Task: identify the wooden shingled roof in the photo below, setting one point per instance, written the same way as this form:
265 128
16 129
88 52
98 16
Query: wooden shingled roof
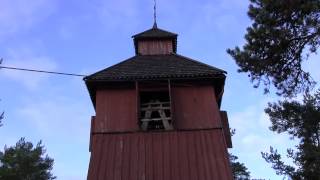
156 67
155 33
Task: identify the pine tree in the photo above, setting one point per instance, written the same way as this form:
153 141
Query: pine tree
281 38
301 120
25 162
239 170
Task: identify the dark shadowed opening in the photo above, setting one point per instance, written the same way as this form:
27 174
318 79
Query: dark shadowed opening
155 110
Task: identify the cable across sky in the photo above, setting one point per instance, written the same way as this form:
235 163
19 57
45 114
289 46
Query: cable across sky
42 71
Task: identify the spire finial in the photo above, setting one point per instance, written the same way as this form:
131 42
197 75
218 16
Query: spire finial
155 14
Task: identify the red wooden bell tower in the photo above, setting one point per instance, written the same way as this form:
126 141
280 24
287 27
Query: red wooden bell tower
158 116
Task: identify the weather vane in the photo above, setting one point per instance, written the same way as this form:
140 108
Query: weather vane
155 14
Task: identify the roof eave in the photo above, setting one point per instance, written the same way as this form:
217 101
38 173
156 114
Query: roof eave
170 34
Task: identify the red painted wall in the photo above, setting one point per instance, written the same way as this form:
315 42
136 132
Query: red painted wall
195 107
169 155
116 110
155 47
226 129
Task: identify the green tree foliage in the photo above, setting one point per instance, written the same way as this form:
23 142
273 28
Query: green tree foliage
239 170
301 120
282 36
25 162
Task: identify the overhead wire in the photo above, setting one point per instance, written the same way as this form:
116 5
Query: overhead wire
40 71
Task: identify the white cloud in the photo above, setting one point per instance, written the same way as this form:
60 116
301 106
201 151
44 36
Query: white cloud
65 32
251 123
64 124
69 117
69 27
264 120
233 4
117 15
20 15
312 66
24 58
253 137
220 16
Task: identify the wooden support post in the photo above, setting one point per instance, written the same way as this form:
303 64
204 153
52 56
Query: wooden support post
171 104
158 107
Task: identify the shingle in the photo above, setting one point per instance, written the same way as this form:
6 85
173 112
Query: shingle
155 67
155 33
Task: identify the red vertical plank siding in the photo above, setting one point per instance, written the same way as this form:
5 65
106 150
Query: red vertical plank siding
209 138
200 156
149 158
126 160
205 157
157 151
184 169
142 158
98 148
101 165
155 47
119 156
134 153
173 155
226 129
226 169
174 151
107 150
195 107
91 132
109 171
92 159
166 157
193 166
116 110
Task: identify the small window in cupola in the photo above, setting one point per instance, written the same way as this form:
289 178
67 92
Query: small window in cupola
155 110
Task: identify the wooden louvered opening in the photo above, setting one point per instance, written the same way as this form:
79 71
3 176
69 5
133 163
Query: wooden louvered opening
155 111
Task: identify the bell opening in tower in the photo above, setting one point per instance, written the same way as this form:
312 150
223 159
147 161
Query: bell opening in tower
155 111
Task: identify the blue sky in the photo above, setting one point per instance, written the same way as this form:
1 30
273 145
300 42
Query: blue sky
82 36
